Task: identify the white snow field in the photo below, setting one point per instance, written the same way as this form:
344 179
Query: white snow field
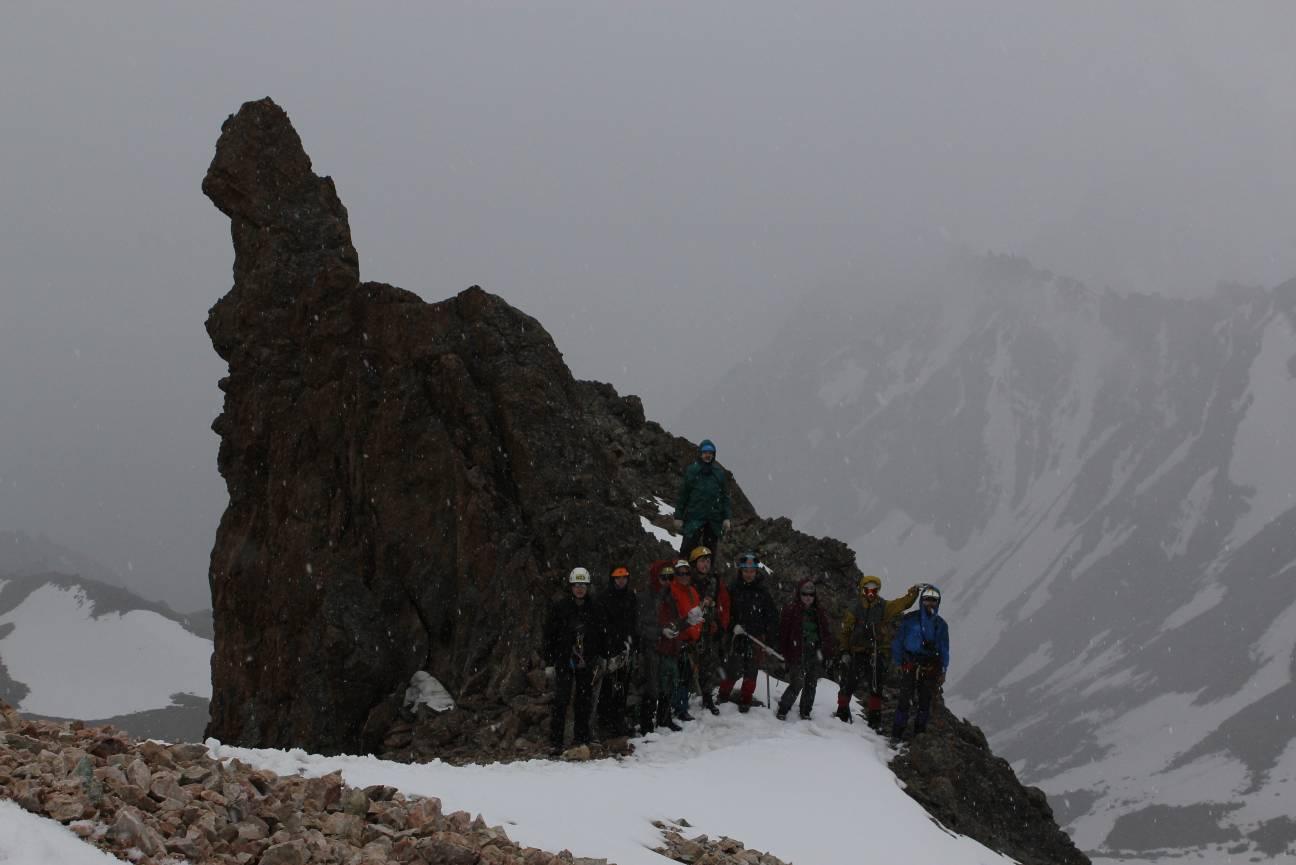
815 791
79 666
26 839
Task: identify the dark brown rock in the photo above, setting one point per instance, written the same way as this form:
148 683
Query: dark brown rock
951 771
409 483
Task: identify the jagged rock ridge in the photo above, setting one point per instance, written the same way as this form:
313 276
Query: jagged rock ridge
408 482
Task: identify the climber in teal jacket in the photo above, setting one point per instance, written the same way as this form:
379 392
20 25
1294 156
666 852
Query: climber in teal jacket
702 506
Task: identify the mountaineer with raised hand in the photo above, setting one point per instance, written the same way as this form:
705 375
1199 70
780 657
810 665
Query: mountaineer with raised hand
865 646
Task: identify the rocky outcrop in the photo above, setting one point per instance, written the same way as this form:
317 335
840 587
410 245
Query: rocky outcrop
706 851
153 803
408 482
951 771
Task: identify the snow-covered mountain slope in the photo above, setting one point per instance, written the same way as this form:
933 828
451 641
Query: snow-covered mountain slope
76 648
1104 486
814 791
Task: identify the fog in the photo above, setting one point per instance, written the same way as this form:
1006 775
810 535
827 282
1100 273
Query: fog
657 183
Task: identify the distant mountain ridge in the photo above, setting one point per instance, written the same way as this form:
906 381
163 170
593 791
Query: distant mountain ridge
72 647
1103 484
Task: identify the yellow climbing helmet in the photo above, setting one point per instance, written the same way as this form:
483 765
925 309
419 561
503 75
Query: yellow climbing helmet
699 553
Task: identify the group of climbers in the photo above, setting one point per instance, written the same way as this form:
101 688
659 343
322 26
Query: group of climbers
686 634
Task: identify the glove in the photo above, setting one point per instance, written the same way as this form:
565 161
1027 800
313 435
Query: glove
668 632
695 616
819 655
550 673
725 527
739 630
615 663
844 660
678 524
907 667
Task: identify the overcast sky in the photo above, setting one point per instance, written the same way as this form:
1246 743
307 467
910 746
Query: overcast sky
656 182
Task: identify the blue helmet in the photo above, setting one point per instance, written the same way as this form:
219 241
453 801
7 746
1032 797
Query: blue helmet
706 446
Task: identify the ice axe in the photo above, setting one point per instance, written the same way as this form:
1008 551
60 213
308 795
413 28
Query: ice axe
740 631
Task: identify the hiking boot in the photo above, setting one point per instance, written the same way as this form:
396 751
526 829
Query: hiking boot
874 720
672 726
712 708
781 714
684 716
555 750
744 708
843 713
805 716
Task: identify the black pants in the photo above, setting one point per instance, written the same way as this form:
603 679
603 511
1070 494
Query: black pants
647 673
803 679
582 682
705 535
860 672
868 668
742 663
923 677
612 702
711 661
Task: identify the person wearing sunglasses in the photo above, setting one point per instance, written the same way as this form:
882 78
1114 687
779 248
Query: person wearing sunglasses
864 645
805 640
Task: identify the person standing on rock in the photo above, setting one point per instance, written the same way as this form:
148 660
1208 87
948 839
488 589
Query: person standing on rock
619 611
753 615
865 647
679 620
920 649
805 640
573 645
702 509
710 656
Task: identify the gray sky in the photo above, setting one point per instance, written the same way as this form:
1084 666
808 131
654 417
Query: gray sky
656 182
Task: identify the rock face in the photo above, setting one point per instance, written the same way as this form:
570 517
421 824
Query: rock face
409 485
952 773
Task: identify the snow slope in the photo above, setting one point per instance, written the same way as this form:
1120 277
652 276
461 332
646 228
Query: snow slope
79 662
26 839
1102 485
803 791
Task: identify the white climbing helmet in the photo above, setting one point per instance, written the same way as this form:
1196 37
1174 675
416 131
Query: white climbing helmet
579 577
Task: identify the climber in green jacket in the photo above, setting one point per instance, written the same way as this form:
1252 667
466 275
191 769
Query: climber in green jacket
702 506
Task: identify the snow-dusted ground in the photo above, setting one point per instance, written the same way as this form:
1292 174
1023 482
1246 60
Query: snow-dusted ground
26 839
79 666
804 791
